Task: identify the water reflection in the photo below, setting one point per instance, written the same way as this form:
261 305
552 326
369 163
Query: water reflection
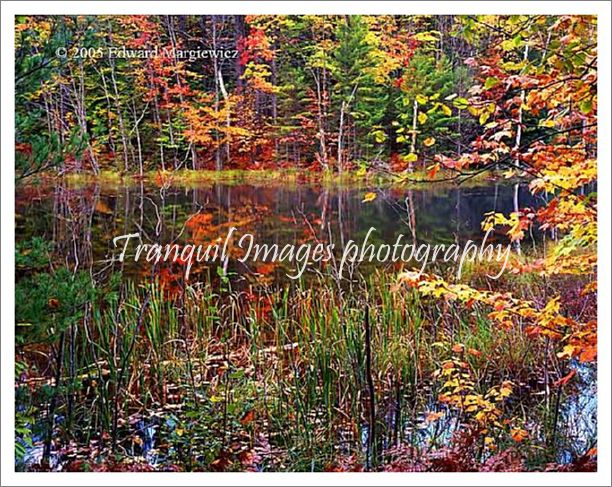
83 221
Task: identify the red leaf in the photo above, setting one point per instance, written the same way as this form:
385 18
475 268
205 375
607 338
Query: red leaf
564 380
433 170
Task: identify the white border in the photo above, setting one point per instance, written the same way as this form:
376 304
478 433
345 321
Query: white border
10 9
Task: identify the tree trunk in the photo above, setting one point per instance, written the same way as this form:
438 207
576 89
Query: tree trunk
517 146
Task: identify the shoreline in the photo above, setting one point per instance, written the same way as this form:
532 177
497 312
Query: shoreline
263 177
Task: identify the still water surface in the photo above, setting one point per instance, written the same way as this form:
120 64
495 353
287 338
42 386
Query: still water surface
83 221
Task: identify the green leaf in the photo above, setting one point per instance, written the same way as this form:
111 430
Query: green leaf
586 106
461 103
491 82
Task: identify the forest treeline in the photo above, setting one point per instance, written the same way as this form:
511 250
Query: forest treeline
324 92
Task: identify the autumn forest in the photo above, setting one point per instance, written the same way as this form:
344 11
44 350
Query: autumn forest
305 130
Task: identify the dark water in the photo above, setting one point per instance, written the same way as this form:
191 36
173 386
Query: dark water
83 221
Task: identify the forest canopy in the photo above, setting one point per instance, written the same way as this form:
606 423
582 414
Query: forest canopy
318 92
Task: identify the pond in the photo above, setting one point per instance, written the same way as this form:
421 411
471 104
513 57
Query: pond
83 221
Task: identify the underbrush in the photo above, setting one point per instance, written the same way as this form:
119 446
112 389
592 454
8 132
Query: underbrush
309 376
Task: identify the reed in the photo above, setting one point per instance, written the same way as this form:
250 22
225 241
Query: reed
312 372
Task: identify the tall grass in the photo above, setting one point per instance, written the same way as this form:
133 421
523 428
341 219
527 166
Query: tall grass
302 375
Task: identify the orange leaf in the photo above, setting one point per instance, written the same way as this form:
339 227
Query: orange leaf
443 398
518 434
433 170
433 416
474 352
588 354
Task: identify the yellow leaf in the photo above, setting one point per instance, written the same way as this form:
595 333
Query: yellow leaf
368 197
547 123
451 383
568 351
429 141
